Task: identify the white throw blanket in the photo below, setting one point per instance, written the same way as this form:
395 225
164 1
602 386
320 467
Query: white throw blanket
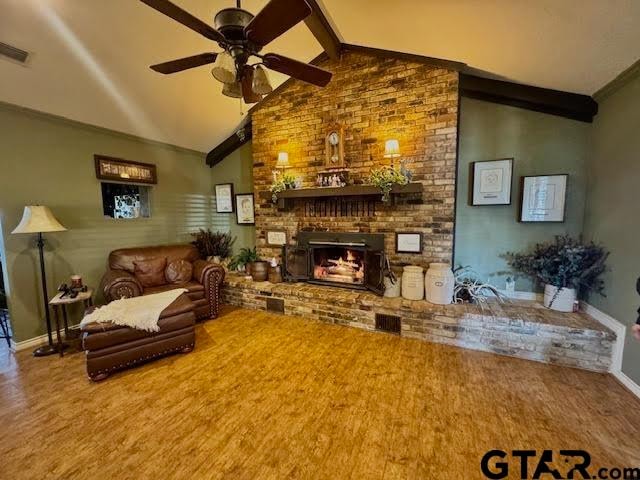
141 313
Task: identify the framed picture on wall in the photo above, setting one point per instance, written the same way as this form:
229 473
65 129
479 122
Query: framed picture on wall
224 197
276 238
409 242
543 198
491 182
245 210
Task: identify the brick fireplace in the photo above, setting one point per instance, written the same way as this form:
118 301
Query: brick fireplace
373 99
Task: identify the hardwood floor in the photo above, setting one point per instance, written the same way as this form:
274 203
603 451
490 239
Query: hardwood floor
269 396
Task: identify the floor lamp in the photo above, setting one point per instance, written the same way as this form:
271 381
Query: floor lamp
39 219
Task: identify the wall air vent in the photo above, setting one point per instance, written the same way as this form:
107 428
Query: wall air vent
275 305
388 323
13 53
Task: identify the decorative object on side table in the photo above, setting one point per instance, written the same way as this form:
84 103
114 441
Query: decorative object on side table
491 181
408 242
543 198
215 246
224 197
245 210
385 178
39 219
117 169
566 266
67 296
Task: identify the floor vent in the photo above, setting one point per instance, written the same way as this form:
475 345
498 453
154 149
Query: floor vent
13 53
275 305
388 323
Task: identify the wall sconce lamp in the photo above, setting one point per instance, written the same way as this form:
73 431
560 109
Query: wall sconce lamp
391 149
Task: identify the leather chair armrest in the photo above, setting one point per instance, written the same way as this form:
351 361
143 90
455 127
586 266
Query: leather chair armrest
211 275
118 284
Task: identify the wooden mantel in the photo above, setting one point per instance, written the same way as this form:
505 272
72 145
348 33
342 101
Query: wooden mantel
285 197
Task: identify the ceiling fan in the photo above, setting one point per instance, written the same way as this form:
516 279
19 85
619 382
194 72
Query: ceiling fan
242 35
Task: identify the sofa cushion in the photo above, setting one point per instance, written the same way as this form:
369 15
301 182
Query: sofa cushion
150 272
178 271
122 259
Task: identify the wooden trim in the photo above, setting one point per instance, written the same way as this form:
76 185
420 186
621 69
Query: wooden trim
348 191
321 28
407 57
238 138
554 102
617 83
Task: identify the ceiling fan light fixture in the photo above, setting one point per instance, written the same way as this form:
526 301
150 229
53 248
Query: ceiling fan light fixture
233 90
261 84
224 68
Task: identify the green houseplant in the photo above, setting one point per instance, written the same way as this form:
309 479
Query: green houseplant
216 245
566 266
385 178
285 181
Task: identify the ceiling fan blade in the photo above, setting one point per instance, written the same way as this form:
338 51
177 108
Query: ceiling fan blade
185 18
247 86
184 63
300 70
275 18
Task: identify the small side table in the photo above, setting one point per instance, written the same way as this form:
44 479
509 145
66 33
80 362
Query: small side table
58 303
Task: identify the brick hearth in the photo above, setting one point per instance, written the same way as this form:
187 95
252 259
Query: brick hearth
519 328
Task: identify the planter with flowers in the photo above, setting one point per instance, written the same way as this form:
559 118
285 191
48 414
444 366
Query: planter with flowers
567 267
285 181
386 178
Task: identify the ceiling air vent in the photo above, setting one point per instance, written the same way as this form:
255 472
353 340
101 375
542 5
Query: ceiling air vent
13 53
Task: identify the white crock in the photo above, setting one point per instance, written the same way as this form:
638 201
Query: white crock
412 282
563 302
439 283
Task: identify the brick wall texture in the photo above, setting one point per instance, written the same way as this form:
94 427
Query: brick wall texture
374 99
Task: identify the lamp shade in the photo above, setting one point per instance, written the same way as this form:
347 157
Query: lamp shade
261 84
38 219
391 149
233 90
283 160
224 68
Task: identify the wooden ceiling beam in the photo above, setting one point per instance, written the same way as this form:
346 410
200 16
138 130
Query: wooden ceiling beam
321 28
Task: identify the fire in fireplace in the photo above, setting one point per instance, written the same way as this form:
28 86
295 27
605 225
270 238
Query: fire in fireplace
354 260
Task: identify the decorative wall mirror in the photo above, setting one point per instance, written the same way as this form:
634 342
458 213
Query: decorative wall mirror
334 147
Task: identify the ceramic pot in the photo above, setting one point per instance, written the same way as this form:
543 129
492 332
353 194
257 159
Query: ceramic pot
259 270
563 301
439 284
412 282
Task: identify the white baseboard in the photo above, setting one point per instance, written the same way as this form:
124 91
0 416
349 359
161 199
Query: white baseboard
517 295
618 350
35 341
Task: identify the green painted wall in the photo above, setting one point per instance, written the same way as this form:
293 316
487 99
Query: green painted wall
612 208
237 168
48 160
539 144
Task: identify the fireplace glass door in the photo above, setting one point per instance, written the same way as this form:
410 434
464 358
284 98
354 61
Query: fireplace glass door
340 265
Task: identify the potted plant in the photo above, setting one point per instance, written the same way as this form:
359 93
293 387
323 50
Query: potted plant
285 181
214 246
385 178
566 266
249 261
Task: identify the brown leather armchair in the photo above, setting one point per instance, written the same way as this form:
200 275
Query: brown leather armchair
203 289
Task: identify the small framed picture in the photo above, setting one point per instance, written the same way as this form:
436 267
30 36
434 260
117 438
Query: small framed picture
276 238
224 197
491 182
245 212
543 198
409 242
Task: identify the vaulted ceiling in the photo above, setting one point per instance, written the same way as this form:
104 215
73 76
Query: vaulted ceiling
90 58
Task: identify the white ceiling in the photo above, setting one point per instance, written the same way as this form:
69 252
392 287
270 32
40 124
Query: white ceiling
90 57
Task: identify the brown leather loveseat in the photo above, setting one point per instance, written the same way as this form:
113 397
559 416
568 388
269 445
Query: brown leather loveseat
145 270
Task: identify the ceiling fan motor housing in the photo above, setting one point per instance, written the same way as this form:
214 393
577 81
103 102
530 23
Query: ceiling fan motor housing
231 23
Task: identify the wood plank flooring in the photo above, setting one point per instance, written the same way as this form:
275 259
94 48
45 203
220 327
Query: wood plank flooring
267 396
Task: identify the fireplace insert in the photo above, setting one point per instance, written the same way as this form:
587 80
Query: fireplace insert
352 260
